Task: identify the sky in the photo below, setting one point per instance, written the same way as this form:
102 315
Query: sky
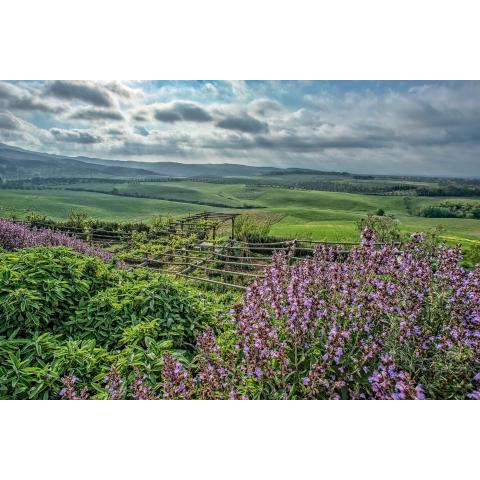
406 128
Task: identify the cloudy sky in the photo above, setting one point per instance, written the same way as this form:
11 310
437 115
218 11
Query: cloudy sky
381 127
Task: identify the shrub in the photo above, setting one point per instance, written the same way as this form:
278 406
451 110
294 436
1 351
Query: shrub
41 287
384 324
33 368
178 310
439 212
14 236
472 255
385 228
250 229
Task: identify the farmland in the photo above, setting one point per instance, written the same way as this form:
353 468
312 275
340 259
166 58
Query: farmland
300 213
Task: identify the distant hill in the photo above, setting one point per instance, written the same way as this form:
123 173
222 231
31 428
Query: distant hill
18 163
174 169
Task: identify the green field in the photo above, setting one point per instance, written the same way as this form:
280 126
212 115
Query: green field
57 204
307 214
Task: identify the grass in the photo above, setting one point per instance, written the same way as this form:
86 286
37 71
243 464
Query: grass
307 214
58 204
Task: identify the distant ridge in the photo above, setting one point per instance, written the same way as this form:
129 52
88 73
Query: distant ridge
18 163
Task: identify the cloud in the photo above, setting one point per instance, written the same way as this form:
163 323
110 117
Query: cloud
9 122
16 98
312 143
115 132
96 114
87 92
264 107
141 131
158 148
431 128
243 123
210 88
75 136
181 111
141 115
123 90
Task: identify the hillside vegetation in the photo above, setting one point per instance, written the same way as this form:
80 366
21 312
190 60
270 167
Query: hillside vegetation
306 214
379 324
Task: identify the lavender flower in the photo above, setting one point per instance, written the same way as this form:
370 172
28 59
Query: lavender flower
68 391
14 236
114 385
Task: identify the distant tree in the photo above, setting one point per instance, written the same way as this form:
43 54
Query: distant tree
380 212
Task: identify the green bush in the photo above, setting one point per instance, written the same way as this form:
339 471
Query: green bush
32 368
250 229
385 227
41 287
178 310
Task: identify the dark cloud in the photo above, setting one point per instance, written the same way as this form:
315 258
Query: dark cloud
140 116
75 136
96 114
182 111
120 90
9 122
167 148
141 131
78 90
242 123
115 132
264 106
168 116
16 98
302 143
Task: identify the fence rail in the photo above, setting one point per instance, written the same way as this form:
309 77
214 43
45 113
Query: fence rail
230 263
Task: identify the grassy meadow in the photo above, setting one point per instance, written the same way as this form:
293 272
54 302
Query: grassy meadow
298 213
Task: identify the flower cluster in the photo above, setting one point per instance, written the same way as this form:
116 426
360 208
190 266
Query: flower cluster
140 390
385 322
114 385
68 392
475 395
376 324
390 384
14 236
178 383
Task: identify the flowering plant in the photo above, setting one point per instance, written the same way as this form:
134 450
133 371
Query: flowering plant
384 323
14 236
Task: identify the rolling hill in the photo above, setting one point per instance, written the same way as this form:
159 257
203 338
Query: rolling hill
18 163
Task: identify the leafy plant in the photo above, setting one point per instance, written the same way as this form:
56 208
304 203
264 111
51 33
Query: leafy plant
14 236
41 287
250 229
178 311
384 227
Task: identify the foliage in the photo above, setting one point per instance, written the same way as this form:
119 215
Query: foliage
385 324
14 236
382 323
142 248
452 209
472 255
250 229
384 227
33 367
178 310
41 287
